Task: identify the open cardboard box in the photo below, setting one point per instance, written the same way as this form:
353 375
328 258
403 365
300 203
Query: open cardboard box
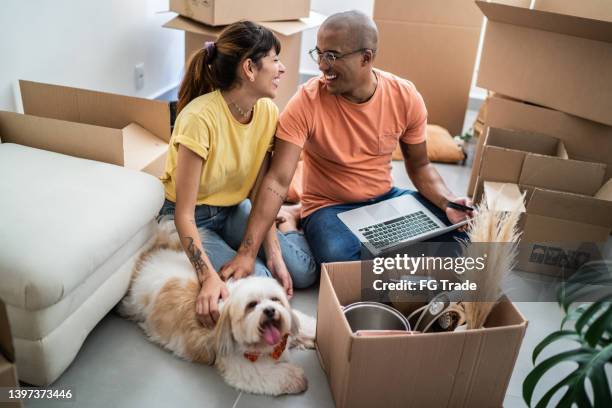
583 139
567 202
289 34
8 369
117 129
549 58
468 369
220 12
432 44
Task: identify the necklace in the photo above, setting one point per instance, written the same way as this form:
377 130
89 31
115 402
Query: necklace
240 111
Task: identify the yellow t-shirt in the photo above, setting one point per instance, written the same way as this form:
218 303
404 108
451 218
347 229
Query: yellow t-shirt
233 152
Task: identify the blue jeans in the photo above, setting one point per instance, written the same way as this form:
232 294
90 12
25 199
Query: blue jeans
222 228
331 241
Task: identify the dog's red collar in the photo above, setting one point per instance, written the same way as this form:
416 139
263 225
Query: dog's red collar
275 354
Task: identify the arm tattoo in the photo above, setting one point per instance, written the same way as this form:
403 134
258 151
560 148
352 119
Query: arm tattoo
276 193
195 256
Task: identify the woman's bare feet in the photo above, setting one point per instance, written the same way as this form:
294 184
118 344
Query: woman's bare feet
288 218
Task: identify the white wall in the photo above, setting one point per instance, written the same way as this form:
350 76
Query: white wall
327 7
93 44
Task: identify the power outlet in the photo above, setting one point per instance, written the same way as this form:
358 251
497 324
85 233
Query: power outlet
139 76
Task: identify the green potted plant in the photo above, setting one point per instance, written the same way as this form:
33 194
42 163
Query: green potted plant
589 325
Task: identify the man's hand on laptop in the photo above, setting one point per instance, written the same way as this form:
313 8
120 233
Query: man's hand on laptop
456 215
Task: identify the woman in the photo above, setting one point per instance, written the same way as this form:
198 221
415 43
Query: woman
218 152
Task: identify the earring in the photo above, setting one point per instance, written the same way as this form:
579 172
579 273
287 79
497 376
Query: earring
252 79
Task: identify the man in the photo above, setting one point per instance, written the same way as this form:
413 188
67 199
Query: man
348 122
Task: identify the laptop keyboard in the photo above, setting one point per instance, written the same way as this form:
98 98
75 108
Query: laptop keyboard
398 229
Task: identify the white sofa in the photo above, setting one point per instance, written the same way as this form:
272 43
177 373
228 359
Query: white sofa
69 232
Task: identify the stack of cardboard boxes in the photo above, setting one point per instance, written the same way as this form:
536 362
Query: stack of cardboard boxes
432 43
549 68
203 20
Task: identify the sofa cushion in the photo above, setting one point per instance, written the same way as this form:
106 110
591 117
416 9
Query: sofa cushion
61 217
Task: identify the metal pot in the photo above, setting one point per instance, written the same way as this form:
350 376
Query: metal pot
374 316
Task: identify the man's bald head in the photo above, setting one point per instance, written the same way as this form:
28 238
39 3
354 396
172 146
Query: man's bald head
359 30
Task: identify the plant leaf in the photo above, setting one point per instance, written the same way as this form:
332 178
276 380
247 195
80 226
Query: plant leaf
579 355
543 402
552 338
596 329
587 316
601 387
573 314
575 393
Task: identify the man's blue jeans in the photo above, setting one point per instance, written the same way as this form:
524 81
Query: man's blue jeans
331 241
222 228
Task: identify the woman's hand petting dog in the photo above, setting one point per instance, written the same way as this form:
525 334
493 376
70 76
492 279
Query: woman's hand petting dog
279 270
207 301
239 267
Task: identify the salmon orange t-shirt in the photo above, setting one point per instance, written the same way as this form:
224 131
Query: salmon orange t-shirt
348 146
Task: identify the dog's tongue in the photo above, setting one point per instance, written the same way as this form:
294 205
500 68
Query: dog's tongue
271 335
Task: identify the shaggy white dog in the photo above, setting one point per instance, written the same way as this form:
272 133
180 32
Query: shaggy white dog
247 345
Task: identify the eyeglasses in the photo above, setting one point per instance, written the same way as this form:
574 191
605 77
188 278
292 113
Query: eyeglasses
330 57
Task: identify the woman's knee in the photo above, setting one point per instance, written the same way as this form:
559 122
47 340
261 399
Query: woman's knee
304 274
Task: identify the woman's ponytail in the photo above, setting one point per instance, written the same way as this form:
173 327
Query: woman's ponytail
198 79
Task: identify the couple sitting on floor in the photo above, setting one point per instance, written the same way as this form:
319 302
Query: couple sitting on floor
229 149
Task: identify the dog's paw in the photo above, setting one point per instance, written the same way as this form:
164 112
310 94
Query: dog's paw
294 380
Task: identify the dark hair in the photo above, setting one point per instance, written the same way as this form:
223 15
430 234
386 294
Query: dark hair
214 66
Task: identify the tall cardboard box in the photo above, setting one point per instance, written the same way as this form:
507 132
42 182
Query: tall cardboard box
8 369
122 130
432 43
459 369
548 58
583 139
222 12
288 32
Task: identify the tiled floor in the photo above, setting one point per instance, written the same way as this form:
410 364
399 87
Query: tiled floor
117 367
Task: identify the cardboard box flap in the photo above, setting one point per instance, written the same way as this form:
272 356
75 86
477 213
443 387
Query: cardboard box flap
605 192
572 207
288 28
186 24
285 28
455 13
501 164
141 147
95 108
503 196
574 176
548 21
74 139
524 141
6 339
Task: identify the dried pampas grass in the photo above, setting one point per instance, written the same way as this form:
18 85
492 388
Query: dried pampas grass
489 227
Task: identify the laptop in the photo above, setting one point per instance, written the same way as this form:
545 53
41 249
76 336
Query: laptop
394 223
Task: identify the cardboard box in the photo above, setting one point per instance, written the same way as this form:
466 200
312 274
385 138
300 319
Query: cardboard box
561 231
432 44
8 369
583 139
223 12
567 204
122 130
289 34
593 9
468 369
550 59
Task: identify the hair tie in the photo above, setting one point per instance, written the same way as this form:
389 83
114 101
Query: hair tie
211 51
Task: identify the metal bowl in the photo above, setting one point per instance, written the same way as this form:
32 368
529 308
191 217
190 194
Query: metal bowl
374 316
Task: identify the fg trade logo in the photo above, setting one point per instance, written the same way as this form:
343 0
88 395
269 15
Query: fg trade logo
555 256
